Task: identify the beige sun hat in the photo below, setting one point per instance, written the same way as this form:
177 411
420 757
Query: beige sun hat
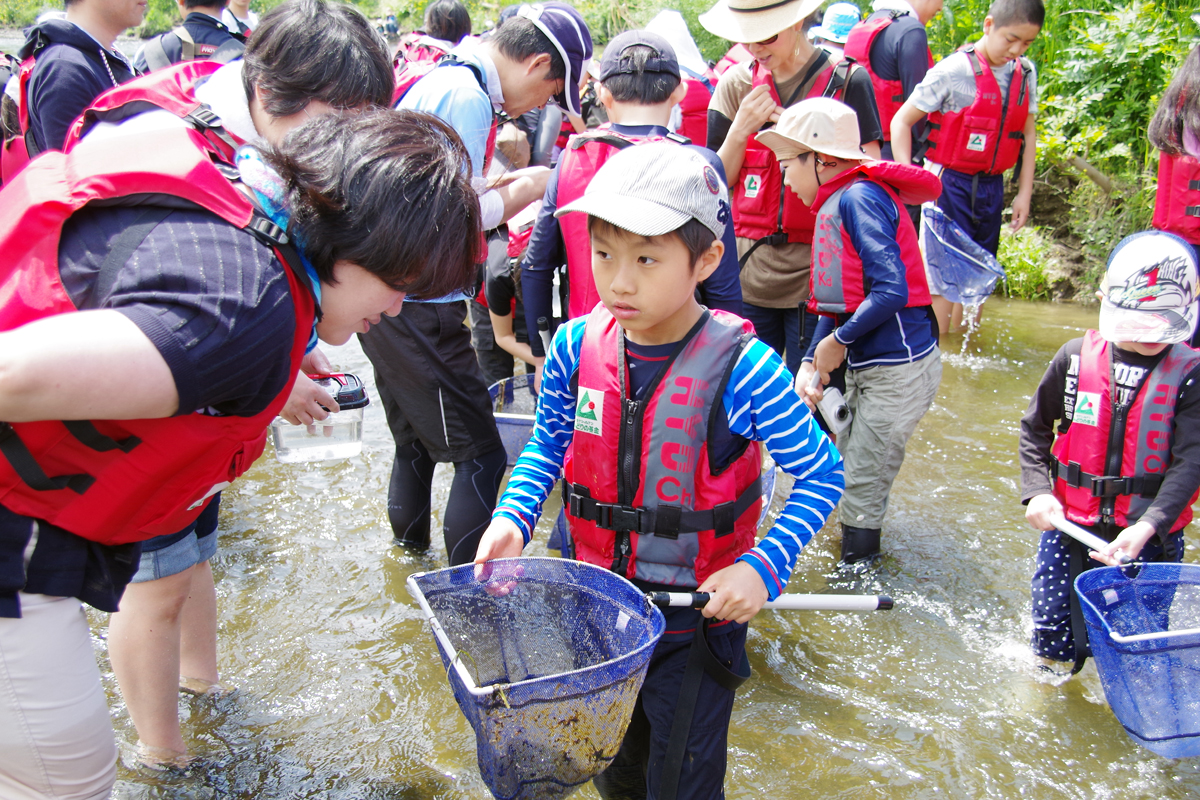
820 124
749 21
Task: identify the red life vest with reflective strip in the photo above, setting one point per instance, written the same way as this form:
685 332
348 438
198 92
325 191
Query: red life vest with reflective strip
762 204
987 135
125 480
583 157
1177 203
654 454
15 154
171 89
1142 444
694 107
837 283
889 95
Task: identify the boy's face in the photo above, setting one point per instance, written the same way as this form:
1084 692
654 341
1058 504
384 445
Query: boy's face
1004 44
122 13
648 283
1143 348
354 303
801 178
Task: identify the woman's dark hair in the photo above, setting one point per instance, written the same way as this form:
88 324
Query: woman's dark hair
447 20
518 38
1179 108
639 86
305 50
694 234
387 190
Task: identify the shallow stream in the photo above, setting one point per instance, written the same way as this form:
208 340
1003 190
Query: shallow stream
341 693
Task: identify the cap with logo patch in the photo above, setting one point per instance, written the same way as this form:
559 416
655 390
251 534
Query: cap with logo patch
1150 290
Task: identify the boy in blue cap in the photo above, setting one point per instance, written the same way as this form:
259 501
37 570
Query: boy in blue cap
651 408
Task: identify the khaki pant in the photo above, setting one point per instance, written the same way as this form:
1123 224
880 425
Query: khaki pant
56 737
887 403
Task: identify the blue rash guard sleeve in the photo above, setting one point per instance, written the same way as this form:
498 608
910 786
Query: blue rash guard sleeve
760 404
870 220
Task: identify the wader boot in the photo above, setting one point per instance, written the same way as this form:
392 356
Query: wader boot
859 544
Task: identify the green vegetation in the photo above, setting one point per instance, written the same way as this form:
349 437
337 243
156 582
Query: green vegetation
1024 256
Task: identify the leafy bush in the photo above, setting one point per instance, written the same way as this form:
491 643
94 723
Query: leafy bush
1101 220
1025 256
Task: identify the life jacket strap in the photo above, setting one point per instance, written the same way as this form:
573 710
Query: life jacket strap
667 520
27 469
1105 485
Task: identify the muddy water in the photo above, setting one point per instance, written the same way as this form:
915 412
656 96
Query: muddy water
341 693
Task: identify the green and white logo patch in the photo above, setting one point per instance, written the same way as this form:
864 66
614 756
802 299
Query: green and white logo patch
977 142
753 183
1087 409
589 412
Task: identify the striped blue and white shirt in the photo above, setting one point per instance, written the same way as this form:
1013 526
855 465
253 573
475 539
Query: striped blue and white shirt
760 405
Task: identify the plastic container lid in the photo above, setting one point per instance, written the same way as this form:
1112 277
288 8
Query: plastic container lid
346 389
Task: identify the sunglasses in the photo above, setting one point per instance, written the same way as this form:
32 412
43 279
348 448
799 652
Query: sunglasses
769 40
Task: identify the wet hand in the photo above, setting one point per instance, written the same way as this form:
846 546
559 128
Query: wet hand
502 539
737 593
304 405
1127 545
1041 510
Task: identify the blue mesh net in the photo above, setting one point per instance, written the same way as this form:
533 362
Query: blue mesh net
960 270
514 405
1151 681
546 675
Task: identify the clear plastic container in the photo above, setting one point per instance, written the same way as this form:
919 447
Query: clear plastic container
337 436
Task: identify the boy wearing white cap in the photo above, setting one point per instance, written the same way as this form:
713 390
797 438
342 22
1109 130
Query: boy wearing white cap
868 285
1124 459
652 408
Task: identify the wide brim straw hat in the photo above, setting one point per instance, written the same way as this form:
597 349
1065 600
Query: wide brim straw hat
749 21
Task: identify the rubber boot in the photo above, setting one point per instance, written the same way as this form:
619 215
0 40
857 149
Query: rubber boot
859 544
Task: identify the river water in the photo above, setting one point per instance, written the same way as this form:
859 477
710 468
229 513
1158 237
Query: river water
341 693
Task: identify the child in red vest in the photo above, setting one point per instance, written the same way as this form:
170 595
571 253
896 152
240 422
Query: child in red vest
652 408
982 107
868 285
1124 459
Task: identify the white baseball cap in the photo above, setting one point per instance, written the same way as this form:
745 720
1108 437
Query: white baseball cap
654 188
1150 290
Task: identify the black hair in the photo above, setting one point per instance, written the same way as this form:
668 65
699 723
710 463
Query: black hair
447 20
205 3
1179 108
694 234
518 38
639 86
306 50
387 190
1017 12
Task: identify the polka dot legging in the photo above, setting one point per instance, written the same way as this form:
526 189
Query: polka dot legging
1051 588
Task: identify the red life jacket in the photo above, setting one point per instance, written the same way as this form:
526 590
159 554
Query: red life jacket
171 89
763 206
585 154
408 73
889 95
15 154
694 107
1109 464
1177 203
641 495
738 54
987 135
836 282
117 481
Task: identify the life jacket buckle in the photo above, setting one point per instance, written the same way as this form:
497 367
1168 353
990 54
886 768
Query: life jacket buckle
1111 486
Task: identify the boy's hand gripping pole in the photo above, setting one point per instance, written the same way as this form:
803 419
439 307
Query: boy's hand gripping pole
787 602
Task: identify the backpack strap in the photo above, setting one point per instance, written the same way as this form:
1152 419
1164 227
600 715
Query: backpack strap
188 43
155 54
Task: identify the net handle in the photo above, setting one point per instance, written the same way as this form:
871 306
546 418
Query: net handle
1149 637
787 602
1087 538
456 662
